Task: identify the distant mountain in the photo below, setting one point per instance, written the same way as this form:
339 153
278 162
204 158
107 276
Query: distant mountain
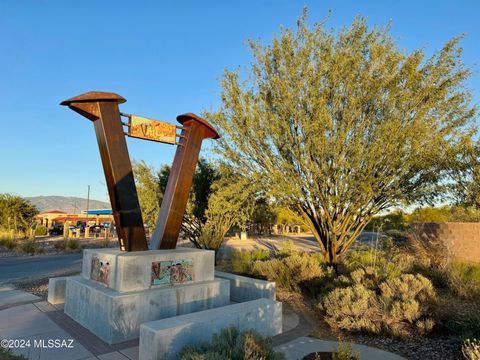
69 204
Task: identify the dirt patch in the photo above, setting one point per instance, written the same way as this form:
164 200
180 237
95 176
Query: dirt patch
39 286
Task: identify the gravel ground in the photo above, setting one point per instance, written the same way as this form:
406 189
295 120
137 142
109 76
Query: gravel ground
434 348
39 286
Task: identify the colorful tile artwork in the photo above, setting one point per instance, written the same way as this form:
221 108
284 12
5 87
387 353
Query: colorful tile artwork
100 270
172 272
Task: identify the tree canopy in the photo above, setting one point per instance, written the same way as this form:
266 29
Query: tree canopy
340 125
16 213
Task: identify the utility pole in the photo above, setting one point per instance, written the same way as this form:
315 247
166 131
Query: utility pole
88 202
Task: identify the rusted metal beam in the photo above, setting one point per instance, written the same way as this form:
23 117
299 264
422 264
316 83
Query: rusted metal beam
195 129
102 109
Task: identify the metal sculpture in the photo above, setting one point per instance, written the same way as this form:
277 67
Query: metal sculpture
102 109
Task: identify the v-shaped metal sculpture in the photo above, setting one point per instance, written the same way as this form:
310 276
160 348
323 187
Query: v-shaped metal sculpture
102 109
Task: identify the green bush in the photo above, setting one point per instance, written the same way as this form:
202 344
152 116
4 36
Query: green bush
397 306
232 344
41 230
244 260
288 248
471 349
297 272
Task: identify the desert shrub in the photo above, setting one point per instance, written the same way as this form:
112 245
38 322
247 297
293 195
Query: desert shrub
105 242
353 308
243 260
72 244
377 265
41 230
397 306
471 349
28 246
232 344
297 272
288 248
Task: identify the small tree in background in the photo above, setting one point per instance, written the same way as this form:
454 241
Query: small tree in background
195 216
150 188
286 217
339 126
16 214
232 202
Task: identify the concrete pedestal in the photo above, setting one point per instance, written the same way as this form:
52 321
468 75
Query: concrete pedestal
131 271
116 291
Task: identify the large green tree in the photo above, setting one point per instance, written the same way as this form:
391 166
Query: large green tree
340 125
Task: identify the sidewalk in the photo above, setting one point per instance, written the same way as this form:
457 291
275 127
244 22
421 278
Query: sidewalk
302 346
42 331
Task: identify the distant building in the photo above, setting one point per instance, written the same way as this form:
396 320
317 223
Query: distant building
51 218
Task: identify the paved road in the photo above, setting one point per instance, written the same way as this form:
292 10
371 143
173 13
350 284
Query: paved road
23 267
366 237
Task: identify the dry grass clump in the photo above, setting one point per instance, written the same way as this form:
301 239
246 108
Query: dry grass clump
233 344
28 246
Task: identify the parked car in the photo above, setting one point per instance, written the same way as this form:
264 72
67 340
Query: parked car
55 230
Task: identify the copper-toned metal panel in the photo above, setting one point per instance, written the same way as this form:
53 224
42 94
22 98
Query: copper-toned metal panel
149 129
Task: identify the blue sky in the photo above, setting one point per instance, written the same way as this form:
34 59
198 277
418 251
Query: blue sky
165 58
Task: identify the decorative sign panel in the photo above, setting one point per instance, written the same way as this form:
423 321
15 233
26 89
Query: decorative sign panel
172 272
100 271
154 130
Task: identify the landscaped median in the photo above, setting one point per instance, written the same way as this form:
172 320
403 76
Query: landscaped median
409 299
